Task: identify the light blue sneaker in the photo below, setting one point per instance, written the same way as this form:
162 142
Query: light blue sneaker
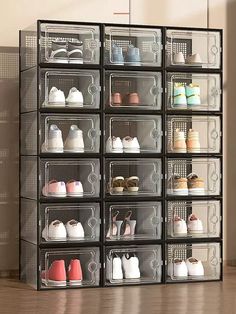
133 56
193 94
117 55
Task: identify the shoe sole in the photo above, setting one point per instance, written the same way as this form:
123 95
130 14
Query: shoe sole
133 151
75 282
77 61
75 194
56 195
196 192
74 150
48 282
74 104
177 192
55 104
53 60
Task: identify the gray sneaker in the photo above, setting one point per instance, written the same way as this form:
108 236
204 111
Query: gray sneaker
75 52
58 52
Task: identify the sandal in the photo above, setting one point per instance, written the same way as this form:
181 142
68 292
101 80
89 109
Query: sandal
117 184
132 184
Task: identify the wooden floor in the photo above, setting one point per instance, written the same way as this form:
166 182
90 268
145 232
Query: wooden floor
198 298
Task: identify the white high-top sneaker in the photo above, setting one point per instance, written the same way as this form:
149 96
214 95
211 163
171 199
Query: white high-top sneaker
74 142
177 268
131 266
56 98
195 267
117 273
194 224
56 231
114 145
74 229
131 144
74 98
54 142
180 226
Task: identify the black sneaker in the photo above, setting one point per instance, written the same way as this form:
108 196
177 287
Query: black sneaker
75 52
59 52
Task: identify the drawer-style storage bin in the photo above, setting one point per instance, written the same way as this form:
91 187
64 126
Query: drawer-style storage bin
193 48
133 265
28 220
28 133
193 91
78 89
193 134
133 90
193 219
70 178
70 133
134 177
75 222
133 221
133 134
28 263
69 43
133 46
28 90
193 262
28 177
63 268
194 177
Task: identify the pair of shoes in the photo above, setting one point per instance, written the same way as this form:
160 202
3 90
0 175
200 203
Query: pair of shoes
57 276
186 95
180 268
131 99
193 142
130 265
56 188
124 227
74 142
194 225
120 184
193 185
58 231
56 98
127 145
132 56
194 59
66 51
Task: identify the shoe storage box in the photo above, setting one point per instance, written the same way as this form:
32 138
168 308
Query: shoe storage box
86 81
133 90
132 46
194 262
193 219
133 265
70 222
192 48
139 134
120 154
133 177
133 221
193 91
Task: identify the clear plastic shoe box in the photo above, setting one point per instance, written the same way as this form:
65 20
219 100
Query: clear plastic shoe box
201 49
139 134
56 261
199 262
133 265
193 91
133 177
85 218
202 134
87 82
193 219
133 90
133 221
79 133
133 46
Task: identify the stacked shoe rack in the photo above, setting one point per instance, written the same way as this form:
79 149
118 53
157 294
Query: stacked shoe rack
111 205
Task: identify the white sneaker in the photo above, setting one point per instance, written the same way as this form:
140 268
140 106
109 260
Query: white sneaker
195 267
179 58
194 59
56 98
54 143
117 273
178 268
74 142
74 98
131 144
180 226
114 145
56 231
74 229
131 266
194 224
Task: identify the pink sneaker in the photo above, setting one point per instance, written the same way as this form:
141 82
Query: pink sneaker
75 272
74 188
54 188
55 275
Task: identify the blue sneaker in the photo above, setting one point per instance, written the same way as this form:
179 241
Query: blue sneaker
133 56
117 55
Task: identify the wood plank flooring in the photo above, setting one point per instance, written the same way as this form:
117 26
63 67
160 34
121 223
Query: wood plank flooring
197 298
